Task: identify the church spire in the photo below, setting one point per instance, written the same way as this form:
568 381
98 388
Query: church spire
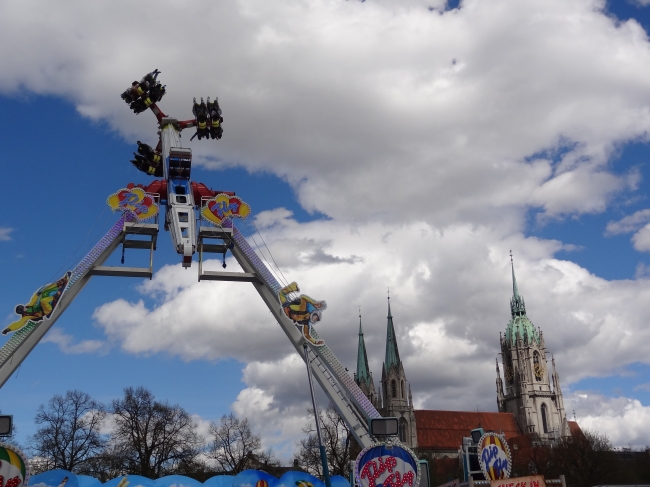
363 371
392 354
517 305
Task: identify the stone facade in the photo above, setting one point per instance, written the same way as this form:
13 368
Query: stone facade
532 392
531 397
394 398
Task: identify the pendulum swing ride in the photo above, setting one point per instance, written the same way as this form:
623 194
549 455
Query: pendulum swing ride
199 220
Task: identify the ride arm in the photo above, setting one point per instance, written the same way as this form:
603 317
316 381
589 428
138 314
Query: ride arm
348 400
157 112
184 124
23 341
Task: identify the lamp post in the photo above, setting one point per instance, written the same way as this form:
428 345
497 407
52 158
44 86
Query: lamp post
323 455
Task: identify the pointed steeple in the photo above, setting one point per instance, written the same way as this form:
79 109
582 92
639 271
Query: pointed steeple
363 371
392 354
517 305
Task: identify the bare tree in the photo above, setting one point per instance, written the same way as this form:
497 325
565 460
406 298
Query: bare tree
69 434
586 459
236 448
336 439
153 437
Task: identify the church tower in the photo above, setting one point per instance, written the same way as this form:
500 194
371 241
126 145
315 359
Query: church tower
396 393
532 393
363 376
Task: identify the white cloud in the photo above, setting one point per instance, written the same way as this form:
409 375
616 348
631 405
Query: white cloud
638 223
425 136
641 239
448 301
530 99
629 224
624 420
5 233
66 343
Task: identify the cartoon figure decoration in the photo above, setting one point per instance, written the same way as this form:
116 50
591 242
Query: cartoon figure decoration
387 465
302 310
494 456
42 304
224 206
13 466
134 200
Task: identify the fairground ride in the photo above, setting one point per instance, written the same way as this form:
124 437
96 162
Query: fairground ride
187 203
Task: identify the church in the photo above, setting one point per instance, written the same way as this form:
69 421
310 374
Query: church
530 403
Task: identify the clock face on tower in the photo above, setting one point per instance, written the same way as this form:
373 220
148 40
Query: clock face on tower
538 369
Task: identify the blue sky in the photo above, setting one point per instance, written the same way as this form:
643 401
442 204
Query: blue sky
343 201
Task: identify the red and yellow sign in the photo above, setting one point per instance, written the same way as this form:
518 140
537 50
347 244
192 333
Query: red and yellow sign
134 200
225 206
494 456
531 481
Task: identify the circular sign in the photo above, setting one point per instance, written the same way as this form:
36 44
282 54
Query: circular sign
13 467
494 456
387 465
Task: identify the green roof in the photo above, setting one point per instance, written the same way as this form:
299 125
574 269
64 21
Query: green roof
363 371
392 354
519 325
524 327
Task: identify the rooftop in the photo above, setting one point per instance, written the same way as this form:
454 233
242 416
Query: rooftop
444 430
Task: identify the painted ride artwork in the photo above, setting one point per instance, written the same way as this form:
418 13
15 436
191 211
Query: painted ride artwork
41 305
14 470
135 200
224 206
302 310
387 465
494 456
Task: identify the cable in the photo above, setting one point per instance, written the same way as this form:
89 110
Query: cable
267 263
269 251
84 242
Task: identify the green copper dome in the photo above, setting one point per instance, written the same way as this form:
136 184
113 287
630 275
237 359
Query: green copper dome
522 326
519 325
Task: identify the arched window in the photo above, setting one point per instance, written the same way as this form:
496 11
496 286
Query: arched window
402 389
403 430
393 388
544 423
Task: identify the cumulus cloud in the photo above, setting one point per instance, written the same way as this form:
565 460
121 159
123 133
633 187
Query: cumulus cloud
641 239
276 408
529 98
624 420
66 343
424 136
448 308
629 224
638 223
